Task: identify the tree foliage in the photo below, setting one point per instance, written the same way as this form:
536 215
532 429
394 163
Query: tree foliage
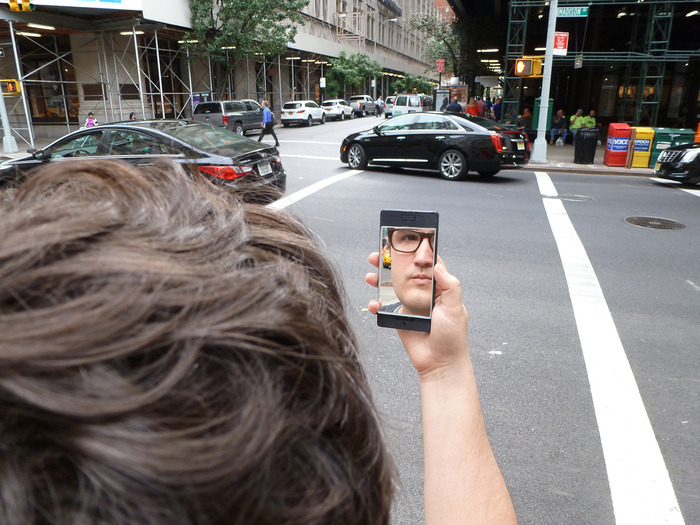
456 43
351 72
409 83
229 30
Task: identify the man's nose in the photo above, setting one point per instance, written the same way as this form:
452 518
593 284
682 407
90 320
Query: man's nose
424 253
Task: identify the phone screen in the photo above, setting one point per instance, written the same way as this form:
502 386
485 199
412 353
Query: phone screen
407 256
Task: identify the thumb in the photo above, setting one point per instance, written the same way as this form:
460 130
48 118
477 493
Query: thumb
450 288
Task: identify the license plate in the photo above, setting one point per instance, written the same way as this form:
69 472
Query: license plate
264 168
521 145
657 166
290 113
327 109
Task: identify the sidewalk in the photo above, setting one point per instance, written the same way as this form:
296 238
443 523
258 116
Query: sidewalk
559 158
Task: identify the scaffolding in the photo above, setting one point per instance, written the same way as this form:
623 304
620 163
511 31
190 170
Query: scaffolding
644 62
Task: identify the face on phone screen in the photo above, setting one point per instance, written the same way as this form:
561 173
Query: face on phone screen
406 270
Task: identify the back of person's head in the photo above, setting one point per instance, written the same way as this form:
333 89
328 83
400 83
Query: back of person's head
170 355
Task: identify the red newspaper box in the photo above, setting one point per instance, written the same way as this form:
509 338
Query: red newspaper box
618 142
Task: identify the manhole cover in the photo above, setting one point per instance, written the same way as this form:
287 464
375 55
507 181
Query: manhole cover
656 223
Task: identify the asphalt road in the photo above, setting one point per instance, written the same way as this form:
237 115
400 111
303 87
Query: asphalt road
584 329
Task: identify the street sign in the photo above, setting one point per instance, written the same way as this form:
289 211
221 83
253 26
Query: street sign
561 43
440 66
572 12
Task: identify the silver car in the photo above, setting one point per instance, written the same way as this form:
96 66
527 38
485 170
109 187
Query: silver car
235 115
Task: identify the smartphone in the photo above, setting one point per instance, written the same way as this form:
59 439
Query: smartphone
408 242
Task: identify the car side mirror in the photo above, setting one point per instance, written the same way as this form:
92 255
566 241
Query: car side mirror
376 130
39 154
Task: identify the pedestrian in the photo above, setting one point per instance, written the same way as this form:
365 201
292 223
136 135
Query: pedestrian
590 121
454 106
558 127
472 108
576 123
268 126
380 106
132 116
483 107
90 121
497 109
527 120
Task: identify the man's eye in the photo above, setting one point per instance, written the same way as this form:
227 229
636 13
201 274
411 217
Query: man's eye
410 237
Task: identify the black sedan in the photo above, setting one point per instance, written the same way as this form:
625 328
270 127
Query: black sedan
515 145
226 158
680 163
443 142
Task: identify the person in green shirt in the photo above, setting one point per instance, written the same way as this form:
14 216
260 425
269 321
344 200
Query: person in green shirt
590 121
576 122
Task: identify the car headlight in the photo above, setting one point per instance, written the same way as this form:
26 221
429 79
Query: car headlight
690 155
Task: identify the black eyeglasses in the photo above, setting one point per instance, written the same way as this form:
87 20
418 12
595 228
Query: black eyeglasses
408 241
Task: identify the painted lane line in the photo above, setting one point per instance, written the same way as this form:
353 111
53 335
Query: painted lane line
310 190
640 484
667 182
285 156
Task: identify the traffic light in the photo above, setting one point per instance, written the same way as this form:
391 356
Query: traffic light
10 86
26 5
528 67
523 66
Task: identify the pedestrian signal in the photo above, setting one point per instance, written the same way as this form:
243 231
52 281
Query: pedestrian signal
14 5
10 87
523 66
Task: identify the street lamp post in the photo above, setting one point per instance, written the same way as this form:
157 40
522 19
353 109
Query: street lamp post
379 32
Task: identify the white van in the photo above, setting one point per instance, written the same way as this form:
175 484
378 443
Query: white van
411 103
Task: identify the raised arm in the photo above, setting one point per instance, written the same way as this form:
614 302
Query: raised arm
463 483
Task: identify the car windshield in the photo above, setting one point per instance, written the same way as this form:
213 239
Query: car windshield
205 137
356 98
291 105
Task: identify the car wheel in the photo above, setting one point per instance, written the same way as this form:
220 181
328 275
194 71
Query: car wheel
357 158
489 173
310 121
323 118
364 113
453 165
342 115
238 128
285 124
352 115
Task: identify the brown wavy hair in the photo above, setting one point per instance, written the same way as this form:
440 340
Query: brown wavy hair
170 354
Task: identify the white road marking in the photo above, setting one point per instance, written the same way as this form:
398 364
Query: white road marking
285 156
672 182
640 485
310 190
695 286
314 142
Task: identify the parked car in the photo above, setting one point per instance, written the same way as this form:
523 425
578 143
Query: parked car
412 103
302 112
389 106
226 158
337 109
237 115
441 142
515 144
680 163
363 104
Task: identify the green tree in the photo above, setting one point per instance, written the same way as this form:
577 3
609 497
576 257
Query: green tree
409 83
456 43
228 30
351 72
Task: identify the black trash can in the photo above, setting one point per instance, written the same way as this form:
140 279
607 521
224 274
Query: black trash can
585 145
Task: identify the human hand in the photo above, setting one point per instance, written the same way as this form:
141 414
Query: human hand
445 347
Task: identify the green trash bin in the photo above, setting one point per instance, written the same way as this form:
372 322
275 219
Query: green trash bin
536 116
667 137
